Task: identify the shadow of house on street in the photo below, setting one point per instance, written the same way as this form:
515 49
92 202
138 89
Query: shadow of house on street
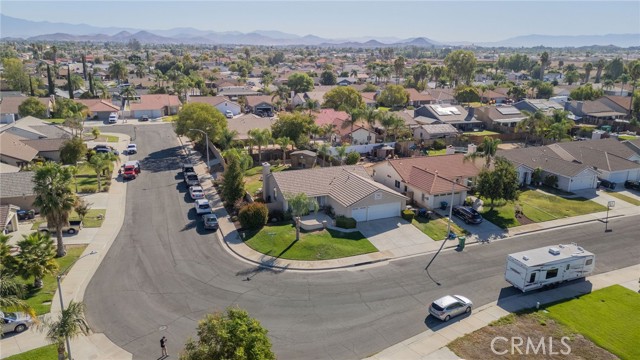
513 300
163 160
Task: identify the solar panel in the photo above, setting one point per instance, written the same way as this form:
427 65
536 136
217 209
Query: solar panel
508 110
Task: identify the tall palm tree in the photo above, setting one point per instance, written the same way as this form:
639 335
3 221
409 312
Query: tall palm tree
283 93
70 324
624 79
141 70
489 148
354 117
227 138
117 70
327 130
588 67
342 153
311 105
370 116
36 257
533 124
54 197
544 62
323 151
260 137
284 143
599 67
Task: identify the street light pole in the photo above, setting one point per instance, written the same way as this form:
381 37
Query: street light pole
59 278
206 139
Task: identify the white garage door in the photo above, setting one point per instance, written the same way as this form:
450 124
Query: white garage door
383 211
359 214
582 182
618 177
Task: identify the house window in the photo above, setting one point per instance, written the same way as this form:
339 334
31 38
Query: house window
589 262
422 196
551 273
405 188
397 184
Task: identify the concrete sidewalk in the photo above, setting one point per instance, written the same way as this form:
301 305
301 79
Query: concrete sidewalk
431 344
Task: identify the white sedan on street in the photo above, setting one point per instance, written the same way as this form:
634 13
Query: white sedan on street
196 192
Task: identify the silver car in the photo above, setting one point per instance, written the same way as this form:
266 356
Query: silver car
15 321
449 306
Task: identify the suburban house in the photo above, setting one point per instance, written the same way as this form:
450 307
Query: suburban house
300 99
572 175
330 116
219 102
303 159
533 105
429 180
98 109
348 190
634 145
354 135
369 98
416 99
48 149
8 218
260 104
14 151
346 81
436 131
594 112
618 103
454 115
443 96
246 122
493 97
17 189
155 106
9 107
503 118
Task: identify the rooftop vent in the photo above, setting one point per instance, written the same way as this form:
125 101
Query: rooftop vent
554 251
525 258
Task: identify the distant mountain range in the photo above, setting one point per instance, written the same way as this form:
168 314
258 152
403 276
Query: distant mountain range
14 28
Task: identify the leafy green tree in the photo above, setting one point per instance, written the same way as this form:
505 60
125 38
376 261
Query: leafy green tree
393 96
15 75
202 117
614 69
72 151
95 132
300 82
36 257
500 183
391 124
571 77
467 94
343 97
227 138
253 216
352 158
517 92
231 336
69 109
54 197
586 92
32 107
462 64
82 208
300 205
12 292
70 324
328 78
545 90
342 153
294 126
260 137
233 181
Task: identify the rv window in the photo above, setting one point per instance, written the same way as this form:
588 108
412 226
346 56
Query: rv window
568 266
532 278
552 273
589 262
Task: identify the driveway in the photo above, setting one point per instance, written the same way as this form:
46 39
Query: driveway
482 231
397 237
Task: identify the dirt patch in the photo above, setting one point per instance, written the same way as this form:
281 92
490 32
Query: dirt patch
523 219
535 327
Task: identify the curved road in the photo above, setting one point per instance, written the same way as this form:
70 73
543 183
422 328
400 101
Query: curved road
162 274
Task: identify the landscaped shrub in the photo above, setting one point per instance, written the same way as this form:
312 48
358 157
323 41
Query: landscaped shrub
88 189
551 181
345 222
438 145
276 215
408 215
352 158
253 216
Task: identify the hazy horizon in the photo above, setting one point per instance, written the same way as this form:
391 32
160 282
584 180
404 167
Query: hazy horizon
480 21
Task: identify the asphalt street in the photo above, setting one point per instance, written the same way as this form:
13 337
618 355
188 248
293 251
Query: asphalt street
163 273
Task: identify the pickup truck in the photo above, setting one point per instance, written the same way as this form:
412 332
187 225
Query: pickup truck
72 228
131 170
191 179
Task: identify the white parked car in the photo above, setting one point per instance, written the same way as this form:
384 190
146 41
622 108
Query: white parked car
202 207
132 149
449 306
228 114
196 192
113 118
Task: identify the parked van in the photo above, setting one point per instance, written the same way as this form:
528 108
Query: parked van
113 118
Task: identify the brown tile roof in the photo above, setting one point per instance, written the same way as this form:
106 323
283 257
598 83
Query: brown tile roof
592 107
369 97
244 123
447 166
623 101
607 154
442 95
542 157
211 100
9 105
329 116
257 100
98 105
490 94
155 101
345 184
13 147
45 144
430 181
414 95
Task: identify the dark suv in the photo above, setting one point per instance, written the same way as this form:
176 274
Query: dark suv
187 168
606 184
630 184
468 214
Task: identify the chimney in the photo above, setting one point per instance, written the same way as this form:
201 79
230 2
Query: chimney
471 148
266 174
579 105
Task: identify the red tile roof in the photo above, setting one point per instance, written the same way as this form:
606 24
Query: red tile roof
329 116
97 105
155 101
447 166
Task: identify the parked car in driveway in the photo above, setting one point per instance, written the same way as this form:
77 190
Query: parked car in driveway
144 118
468 214
202 206
15 321
449 306
105 149
196 192
26 214
630 184
606 184
191 179
72 228
210 222
113 118
228 114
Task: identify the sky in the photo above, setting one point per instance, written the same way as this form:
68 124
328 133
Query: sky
476 21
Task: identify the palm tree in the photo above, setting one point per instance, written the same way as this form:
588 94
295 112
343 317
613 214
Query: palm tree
12 294
54 198
36 257
624 79
300 205
141 70
69 325
588 67
342 152
99 163
354 116
129 93
489 148
323 151
283 93
608 84
370 116
117 70
260 137
227 138
284 143
311 105
326 130
533 124
544 62
599 67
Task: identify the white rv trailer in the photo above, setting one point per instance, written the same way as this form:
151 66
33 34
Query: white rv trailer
549 265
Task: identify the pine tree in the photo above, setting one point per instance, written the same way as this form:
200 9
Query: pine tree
50 82
232 183
31 86
69 82
84 67
91 89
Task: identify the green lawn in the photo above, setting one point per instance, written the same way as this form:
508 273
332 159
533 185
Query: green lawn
437 152
480 133
539 207
47 352
91 220
252 177
108 138
609 317
624 198
56 121
170 118
436 229
627 137
40 299
87 178
279 241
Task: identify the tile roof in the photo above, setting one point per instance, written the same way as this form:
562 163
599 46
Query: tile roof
9 105
494 113
17 184
97 105
447 166
607 154
211 100
591 107
622 101
430 181
45 144
13 147
544 158
257 100
369 97
155 101
414 95
329 116
345 184
246 122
